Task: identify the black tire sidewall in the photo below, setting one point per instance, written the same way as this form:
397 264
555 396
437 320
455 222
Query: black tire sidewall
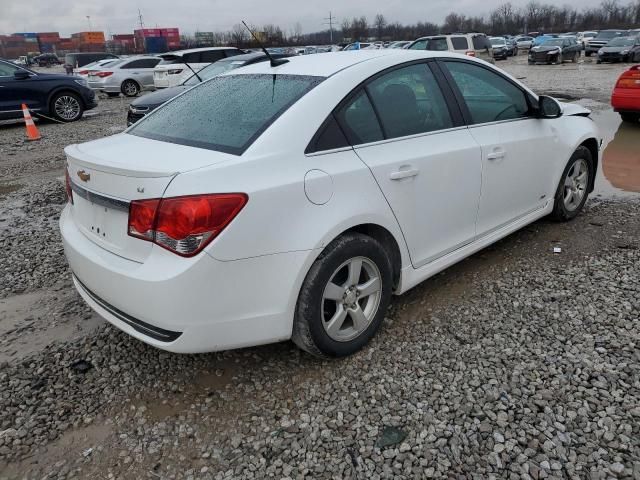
66 94
308 308
559 210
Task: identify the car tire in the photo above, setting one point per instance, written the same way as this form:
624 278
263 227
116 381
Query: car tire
130 88
66 107
587 54
329 308
630 117
574 58
573 188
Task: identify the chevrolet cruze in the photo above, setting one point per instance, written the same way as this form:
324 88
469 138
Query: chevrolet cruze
290 200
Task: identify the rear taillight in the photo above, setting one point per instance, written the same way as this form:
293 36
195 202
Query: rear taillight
174 71
470 53
630 78
104 74
184 225
67 185
83 72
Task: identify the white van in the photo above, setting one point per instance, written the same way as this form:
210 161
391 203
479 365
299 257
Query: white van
174 69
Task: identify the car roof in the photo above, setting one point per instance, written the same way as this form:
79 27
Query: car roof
193 50
330 63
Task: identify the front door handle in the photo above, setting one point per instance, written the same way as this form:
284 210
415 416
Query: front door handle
400 174
496 155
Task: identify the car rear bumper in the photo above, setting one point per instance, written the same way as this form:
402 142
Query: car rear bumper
623 101
187 305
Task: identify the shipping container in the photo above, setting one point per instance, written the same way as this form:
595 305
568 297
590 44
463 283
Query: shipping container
48 35
48 47
155 44
147 32
27 35
123 36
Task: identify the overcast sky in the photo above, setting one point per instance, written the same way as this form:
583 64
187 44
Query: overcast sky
121 16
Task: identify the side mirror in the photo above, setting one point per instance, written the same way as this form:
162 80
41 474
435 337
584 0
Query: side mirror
21 75
548 107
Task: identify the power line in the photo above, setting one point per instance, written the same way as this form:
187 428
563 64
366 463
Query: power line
329 21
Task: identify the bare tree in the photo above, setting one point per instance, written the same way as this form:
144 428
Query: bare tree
239 35
380 23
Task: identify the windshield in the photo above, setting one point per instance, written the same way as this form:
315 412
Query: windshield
212 70
606 35
620 42
227 113
497 41
554 42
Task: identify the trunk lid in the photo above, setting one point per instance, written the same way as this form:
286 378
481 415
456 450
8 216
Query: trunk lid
107 174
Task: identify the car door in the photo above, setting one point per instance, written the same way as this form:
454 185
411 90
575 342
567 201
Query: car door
519 151
16 91
141 70
425 161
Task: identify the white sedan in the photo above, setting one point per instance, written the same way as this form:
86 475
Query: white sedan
291 201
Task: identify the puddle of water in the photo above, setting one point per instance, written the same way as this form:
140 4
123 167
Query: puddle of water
619 170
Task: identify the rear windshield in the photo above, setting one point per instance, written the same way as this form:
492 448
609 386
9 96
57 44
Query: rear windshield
498 41
480 42
227 113
212 70
170 59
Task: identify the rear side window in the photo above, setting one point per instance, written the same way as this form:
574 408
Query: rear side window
212 56
329 136
408 101
419 45
460 43
232 53
227 113
489 97
193 57
170 60
359 121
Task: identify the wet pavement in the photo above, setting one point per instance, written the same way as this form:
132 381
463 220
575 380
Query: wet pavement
619 171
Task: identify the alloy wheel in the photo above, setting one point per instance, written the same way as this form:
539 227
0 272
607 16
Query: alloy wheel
351 299
67 107
575 184
130 89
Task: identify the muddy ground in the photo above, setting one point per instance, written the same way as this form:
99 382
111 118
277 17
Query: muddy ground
516 363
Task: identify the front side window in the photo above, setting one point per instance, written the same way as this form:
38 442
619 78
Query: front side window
409 101
419 45
7 70
227 113
437 44
488 96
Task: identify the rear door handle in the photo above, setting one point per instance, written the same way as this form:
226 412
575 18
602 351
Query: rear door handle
496 155
400 174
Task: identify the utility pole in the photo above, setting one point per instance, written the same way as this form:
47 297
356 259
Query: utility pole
89 21
329 21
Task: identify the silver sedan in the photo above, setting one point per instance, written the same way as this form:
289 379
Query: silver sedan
129 76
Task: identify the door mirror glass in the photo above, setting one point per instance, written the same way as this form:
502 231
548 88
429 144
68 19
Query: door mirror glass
21 75
548 107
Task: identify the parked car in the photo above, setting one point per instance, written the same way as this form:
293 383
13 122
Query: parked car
129 76
585 37
600 40
147 103
512 46
317 189
470 44
540 39
76 60
524 42
62 97
83 72
46 60
175 67
625 98
357 46
399 44
500 48
555 50
621 49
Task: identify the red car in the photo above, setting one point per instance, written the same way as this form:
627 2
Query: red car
625 97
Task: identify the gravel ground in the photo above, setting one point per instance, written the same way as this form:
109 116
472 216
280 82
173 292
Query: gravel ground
516 363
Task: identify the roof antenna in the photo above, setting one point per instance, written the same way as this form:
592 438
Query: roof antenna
275 62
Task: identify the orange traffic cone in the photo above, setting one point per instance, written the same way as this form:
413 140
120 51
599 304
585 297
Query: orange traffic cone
32 131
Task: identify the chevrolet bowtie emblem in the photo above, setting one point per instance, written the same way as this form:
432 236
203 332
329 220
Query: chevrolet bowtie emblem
84 176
